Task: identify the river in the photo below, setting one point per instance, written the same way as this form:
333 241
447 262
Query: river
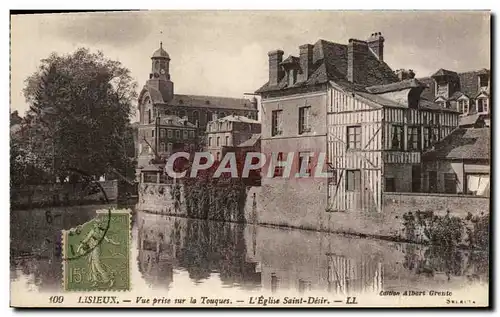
171 253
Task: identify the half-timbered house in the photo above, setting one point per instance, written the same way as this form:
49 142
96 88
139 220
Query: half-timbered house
371 121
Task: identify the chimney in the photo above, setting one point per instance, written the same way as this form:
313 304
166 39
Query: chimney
404 74
356 53
376 44
276 72
306 57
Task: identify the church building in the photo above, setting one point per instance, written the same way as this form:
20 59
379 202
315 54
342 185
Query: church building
157 101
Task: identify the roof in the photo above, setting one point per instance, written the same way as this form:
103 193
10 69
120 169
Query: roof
237 119
329 63
468 84
404 84
176 121
250 142
462 143
444 72
475 119
199 101
382 101
160 53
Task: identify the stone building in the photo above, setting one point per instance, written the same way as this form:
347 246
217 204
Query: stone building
372 122
229 131
165 135
468 92
158 98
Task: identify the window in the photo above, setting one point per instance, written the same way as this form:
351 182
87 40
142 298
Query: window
450 183
222 114
196 117
304 119
162 133
278 170
478 184
427 137
149 149
463 106
397 138
162 147
210 141
442 89
169 147
170 122
152 133
149 116
227 140
177 134
169 134
353 180
182 113
390 184
292 77
191 134
185 134
482 105
277 121
354 137
442 104
305 156
432 181
483 81
435 134
218 141
167 112
414 138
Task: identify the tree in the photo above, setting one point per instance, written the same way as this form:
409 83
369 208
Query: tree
80 105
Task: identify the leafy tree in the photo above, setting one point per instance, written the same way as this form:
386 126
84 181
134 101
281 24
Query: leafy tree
80 105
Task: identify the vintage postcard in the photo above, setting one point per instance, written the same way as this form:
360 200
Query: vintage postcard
335 159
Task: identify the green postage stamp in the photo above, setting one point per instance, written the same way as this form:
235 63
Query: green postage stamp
96 254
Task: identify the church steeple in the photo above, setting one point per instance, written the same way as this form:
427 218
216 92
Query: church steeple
159 78
160 64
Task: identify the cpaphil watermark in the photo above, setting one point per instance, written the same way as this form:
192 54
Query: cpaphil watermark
300 165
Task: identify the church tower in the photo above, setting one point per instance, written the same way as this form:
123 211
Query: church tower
159 77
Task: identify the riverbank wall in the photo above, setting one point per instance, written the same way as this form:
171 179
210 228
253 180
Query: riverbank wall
387 224
58 194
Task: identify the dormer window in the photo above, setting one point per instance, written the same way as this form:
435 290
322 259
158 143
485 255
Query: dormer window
483 81
441 103
482 105
463 106
292 77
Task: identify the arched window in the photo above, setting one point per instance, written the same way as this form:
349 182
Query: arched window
196 117
162 147
209 141
149 116
218 141
209 116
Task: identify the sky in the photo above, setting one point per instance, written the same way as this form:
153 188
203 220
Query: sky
224 53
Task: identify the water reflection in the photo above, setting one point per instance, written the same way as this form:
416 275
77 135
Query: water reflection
172 253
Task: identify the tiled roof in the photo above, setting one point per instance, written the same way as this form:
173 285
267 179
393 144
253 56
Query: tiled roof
200 101
175 121
212 102
330 63
404 84
250 142
468 83
423 103
462 143
237 119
